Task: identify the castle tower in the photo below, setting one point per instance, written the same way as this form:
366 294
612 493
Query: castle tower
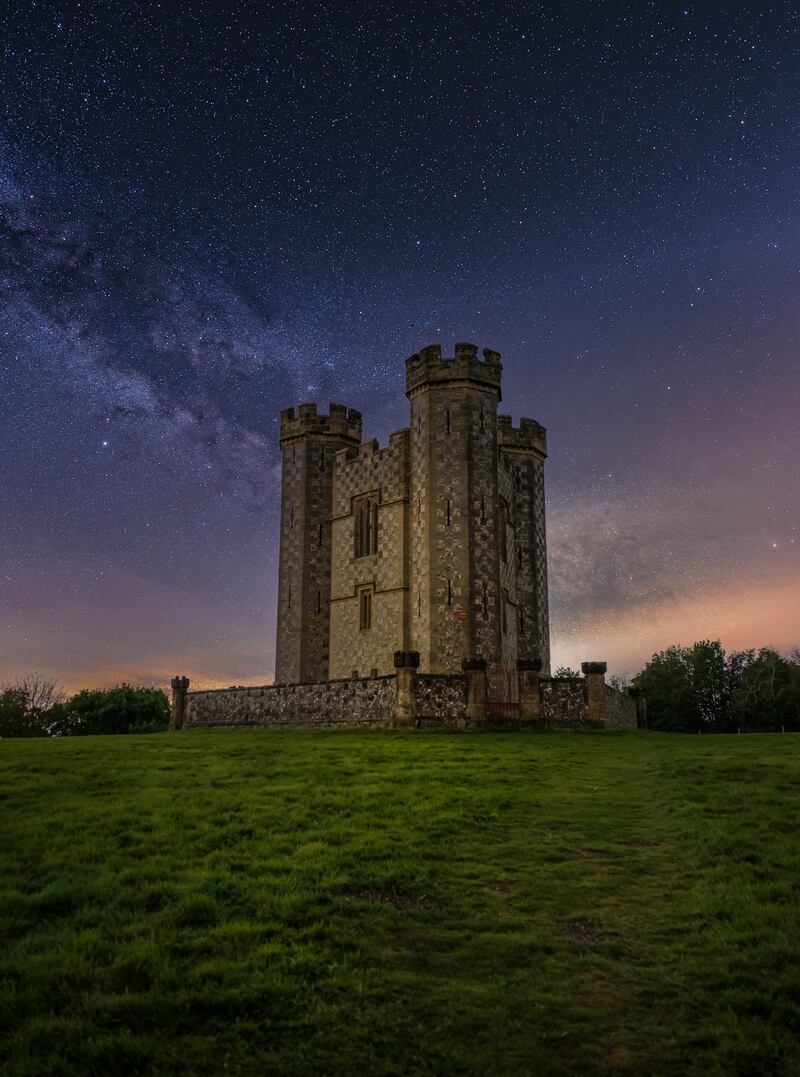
456 597
309 443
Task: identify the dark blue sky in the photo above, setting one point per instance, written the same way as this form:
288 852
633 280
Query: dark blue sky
207 217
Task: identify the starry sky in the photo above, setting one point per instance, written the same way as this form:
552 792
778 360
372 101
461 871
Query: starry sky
207 215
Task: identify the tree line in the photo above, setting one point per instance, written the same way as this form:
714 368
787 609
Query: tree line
32 706
702 689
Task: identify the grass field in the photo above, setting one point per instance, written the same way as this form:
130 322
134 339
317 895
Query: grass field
386 903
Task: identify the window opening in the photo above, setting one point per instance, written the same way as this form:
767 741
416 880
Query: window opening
449 593
365 610
448 513
366 527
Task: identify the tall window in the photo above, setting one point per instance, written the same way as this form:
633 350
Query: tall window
364 609
366 526
503 530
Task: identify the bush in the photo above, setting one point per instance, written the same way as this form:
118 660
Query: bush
123 709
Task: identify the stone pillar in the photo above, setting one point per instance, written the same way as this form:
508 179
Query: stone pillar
475 670
405 706
180 686
528 673
595 674
640 699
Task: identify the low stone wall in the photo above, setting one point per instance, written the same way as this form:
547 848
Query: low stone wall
415 700
620 709
354 702
563 703
440 700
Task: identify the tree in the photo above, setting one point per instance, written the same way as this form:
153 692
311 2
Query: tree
14 716
665 680
565 672
36 695
767 698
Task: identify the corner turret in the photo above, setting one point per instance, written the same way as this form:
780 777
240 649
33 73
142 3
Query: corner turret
341 423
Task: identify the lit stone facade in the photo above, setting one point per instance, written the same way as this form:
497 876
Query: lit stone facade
434 544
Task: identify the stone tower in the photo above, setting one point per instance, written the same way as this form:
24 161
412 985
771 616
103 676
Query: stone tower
434 544
309 443
454 562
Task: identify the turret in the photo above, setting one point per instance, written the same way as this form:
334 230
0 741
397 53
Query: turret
310 442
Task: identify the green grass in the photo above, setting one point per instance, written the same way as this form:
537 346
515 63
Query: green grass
387 903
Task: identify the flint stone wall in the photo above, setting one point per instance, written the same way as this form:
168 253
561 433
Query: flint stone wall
563 703
620 709
350 702
441 699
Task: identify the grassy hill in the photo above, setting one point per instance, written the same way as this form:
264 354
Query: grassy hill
386 903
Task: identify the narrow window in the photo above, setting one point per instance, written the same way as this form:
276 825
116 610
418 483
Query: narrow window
419 603
447 418
419 509
322 459
291 516
365 610
519 555
482 427
448 513
449 592
504 612
319 535
419 422
366 527
319 601
521 620
483 509
485 604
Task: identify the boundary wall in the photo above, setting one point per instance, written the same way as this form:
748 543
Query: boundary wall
407 698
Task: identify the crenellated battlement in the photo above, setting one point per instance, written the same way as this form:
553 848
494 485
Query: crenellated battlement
529 436
340 422
428 367
398 442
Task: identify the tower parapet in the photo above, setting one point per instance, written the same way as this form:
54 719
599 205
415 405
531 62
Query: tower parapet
529 436
341 423
428 367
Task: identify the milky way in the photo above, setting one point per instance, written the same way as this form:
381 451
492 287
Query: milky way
207 217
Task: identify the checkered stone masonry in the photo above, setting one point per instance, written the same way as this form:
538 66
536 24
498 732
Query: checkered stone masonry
383 475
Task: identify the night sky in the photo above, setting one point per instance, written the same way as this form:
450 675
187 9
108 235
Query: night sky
205 218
